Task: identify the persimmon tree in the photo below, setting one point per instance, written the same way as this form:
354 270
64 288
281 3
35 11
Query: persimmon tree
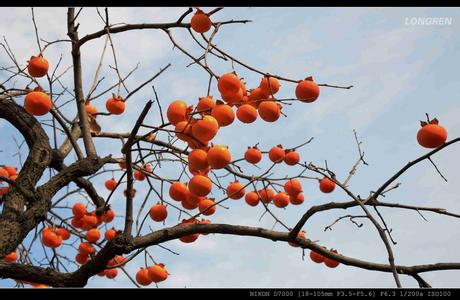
32 210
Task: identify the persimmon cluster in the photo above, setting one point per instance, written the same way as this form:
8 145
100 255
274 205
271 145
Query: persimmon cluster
111 271
9 172
318 258
192 237
155 273
199 131
52 237
89 222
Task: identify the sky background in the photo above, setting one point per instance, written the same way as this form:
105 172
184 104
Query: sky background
399 73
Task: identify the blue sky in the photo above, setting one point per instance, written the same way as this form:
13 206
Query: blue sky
399 73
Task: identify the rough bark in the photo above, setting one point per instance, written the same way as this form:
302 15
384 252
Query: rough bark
12 222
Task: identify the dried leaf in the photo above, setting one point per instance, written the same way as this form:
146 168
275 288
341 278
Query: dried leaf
151 137
93 125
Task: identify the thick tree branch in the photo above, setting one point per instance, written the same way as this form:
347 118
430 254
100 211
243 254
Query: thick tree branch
13 230
127 151
83 167
78 84
81 182
121 245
